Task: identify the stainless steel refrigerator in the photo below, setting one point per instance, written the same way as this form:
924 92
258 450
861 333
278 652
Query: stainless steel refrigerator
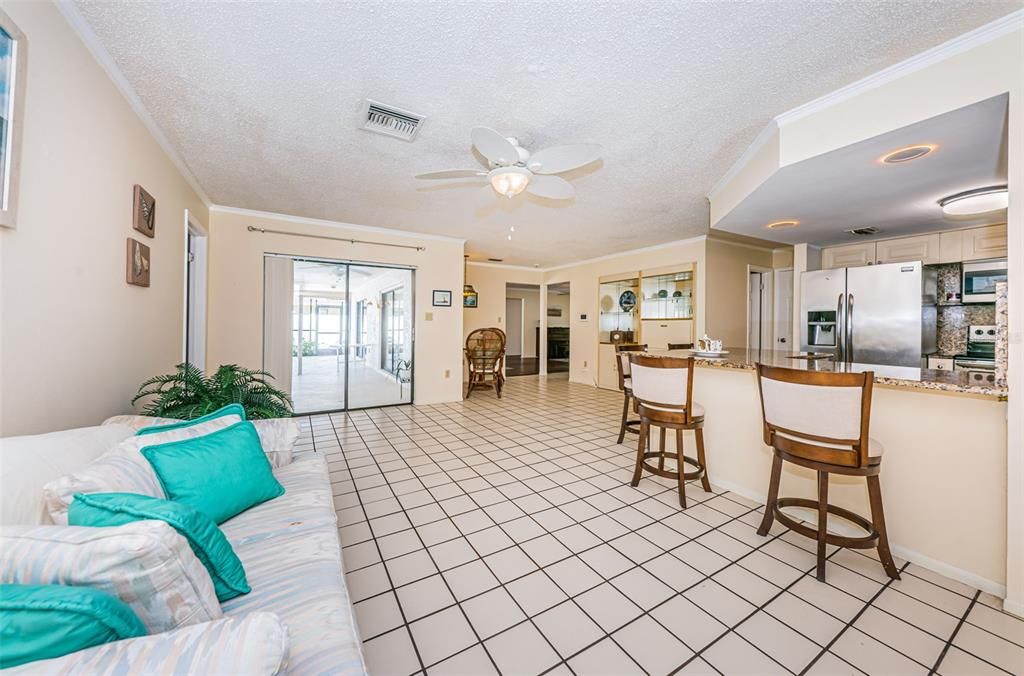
878 314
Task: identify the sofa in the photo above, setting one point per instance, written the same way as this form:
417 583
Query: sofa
288 546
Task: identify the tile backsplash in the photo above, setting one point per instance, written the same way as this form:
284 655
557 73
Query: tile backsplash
952 320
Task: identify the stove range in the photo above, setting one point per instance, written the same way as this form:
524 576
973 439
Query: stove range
980 358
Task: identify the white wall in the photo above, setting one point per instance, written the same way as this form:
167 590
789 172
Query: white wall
75 339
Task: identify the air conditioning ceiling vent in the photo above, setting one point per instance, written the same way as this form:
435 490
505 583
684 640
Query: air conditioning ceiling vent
390 121
870 230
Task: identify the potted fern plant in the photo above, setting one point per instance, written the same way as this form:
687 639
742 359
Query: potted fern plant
189 393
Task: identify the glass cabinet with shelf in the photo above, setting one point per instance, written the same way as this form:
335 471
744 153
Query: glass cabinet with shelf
667 296
619 306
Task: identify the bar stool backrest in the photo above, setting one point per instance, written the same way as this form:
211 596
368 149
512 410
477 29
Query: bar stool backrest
663 387
622 360
817 415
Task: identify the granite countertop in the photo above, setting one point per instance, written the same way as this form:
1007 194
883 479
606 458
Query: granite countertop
892 376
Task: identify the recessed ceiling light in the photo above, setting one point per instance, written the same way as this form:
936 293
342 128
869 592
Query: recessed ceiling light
977 201
908 154
782 224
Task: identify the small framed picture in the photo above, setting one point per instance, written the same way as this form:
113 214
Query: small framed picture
442 298
144 212
554 312
137 264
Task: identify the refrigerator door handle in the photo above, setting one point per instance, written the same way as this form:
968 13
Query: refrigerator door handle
849 328
840 330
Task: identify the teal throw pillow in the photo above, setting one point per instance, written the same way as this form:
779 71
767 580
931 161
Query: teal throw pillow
221 474
230 409
207 541
43 621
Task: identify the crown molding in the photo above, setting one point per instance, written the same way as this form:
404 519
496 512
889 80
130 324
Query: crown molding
303 220
89 38
962 43
763 137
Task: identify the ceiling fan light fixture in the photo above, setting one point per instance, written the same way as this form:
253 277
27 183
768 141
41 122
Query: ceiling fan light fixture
509 181
977 201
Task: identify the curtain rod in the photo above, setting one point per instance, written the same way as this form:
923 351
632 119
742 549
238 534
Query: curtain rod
253 228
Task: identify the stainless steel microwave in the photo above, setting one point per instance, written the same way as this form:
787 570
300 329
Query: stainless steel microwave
980 280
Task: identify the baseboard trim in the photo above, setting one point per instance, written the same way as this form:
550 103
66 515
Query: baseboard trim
934 565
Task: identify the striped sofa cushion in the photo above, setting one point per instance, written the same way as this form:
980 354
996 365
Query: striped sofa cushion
254 644
146 564
277 435
122 469
289 547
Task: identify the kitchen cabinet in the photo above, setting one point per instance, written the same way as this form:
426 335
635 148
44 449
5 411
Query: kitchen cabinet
924 248
951 246
848 256
940 363
982 243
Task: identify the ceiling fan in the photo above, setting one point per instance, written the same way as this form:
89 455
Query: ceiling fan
514 169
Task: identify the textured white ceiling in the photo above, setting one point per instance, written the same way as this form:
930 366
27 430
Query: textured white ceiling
262 100
848 188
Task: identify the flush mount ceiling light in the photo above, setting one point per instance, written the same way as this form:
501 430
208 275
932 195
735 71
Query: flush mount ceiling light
782 224
977 201
908 154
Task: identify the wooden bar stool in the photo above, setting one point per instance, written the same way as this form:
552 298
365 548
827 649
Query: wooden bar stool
622 365
663 392
820 420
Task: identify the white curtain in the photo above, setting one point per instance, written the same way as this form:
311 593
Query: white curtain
278 292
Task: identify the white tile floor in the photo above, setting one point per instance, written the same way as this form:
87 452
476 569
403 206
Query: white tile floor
321 387
496 536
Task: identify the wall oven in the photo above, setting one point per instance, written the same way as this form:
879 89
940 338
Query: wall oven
980 280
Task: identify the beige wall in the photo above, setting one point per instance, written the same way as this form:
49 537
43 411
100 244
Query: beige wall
235 333
726 283
76 339
782 258
489 281
531 317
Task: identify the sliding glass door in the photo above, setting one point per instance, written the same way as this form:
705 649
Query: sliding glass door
338 335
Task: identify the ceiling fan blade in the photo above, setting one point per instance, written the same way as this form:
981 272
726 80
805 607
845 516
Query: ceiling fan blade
551 187
494 146
557 159
453 173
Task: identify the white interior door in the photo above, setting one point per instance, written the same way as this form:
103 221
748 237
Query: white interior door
514 327
783 309
759 325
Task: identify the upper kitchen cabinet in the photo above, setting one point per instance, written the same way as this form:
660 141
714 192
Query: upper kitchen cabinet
982 243
925 248
848 256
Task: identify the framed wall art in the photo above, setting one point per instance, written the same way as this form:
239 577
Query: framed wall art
137 263
144 212
442 298
13 67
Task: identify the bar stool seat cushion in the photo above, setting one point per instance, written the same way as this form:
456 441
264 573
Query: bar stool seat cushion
698 410
875 448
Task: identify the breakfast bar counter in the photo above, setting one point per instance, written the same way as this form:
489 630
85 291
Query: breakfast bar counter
944 443
956 382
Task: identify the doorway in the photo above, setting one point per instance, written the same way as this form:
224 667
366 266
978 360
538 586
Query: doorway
337 335
514 309
195 292
558 328
759 308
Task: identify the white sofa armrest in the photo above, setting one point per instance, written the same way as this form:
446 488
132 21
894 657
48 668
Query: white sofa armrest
254 644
